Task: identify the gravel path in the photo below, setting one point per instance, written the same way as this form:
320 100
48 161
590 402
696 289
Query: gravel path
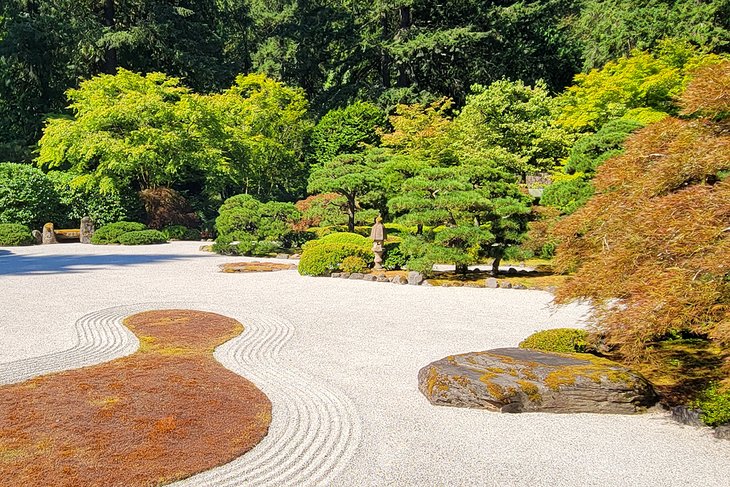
339 361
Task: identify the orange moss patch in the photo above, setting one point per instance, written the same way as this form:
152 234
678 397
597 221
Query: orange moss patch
257 267
163 414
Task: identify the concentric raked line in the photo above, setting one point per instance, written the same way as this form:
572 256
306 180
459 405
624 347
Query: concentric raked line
315 429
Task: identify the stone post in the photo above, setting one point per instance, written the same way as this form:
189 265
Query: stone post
86 230
377 235
49 236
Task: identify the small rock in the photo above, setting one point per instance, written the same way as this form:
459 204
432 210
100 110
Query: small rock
687 416
723 432
415 278
382 278
511 271
427 283
369 277
345 275
491 283
335 274
356 275
38 236
294 256
505 285
398 279
519 286
472 284
477 269
282 256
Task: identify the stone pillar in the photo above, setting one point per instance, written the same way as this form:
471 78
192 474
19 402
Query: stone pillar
49 236
37 237
86 230
377 235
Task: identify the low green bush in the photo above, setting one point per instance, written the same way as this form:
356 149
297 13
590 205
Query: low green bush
14 234
341 238
714 404
394 258
560 340
320 260
181 232
243 244
109 234
353 264
142 237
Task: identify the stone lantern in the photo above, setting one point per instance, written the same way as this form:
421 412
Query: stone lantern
377 235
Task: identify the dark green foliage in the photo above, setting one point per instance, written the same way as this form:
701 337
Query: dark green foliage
559 340
110 234
14 234
245 215
27 196
103 208
353 176
567 195
591 150
180 232
320 260
714 404
142 237
608 29
480 204
346 131
260 228
394 258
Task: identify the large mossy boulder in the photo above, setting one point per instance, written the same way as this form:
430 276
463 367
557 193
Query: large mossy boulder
517 380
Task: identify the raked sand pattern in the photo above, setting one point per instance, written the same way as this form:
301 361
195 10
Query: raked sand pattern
339 361
313 432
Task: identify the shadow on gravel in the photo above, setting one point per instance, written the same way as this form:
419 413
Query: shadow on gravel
11 264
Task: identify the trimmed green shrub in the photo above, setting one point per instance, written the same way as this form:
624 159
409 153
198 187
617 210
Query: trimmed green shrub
14 234
245 219
325 258
353 264
142 237
394 258
560 340
567 195
341 238
27 196
714 404
181 232
109 234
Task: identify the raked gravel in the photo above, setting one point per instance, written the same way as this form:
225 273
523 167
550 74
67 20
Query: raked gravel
339 360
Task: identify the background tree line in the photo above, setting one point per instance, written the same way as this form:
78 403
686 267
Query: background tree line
384 51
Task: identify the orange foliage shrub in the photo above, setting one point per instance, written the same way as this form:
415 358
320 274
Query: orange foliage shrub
165 206
652 247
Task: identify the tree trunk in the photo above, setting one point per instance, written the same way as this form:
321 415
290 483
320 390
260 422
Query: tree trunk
385 59
110 56
496 262
351 214
405 24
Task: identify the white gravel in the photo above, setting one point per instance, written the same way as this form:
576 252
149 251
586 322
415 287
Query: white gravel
339 360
